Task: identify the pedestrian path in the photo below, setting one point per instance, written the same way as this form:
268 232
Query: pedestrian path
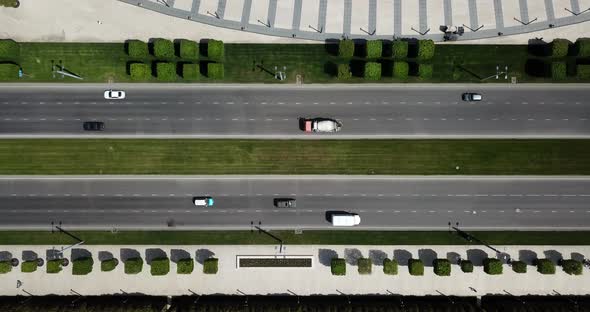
377 19
300 281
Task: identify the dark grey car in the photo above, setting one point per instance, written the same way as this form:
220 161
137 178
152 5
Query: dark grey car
284 202
93 126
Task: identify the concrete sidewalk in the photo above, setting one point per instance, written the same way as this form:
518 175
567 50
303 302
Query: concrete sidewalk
304 281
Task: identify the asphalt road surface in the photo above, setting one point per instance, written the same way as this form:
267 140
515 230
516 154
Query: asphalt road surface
382 202
254 111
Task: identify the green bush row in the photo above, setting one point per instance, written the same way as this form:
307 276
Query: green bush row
167 71
399 49
164 49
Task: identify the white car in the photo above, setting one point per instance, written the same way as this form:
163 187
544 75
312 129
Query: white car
322 125
203 201
114 94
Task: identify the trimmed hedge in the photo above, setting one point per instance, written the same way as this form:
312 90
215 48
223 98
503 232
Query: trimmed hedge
365 266
9 3
492 266
442 267
139 71
372 71
399 49
188 49
558 70
9 49
5 267
210 266
54 266
374 48
572 267
583 71
425 49
346 48
401 70
582 47
416 267
165 71
185 266
160 266
190 71
559 47
215 70
466 266
390 266
28 266
163 48
9 71
338 266
545 266
215 50
108 265
82 266
518 266
344 72
425 71
137 48
133 265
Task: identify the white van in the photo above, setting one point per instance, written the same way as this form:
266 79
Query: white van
205 201
346 219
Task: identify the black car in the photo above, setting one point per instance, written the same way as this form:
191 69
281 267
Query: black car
284 202
93 126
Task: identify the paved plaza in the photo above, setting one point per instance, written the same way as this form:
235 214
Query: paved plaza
301 281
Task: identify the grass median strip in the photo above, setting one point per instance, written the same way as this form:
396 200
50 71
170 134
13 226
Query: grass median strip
388 157
290 238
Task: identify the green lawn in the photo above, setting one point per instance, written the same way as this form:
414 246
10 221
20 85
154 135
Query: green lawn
289 237
427 157
315 63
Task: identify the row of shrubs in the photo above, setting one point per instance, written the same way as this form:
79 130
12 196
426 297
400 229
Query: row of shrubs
563 47
559 71
373 71
399 49
83 265
164 49
166 71
442 267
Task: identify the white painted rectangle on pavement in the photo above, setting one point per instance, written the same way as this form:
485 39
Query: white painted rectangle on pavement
335 16
559 7
234 10
460 9
410 17
183 4
511 10
360 17
208 6
435 15
310 11
584 5
259 11
385 17
537 10
284 16
486 14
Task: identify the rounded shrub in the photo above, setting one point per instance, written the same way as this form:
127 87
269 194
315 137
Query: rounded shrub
28 266
165 71
545 266
442 267
390 266
492 266
139 71
5 267
346 48
559 47
572 267
82 266
365 266
163 48
372 71
210 266
399 49
54 266
338 266
374 48
344 72
425 71
582 47
133 265
215 70
518 266
416 267
558 70
583 71
190 71
9 49
215 50
185 266
466 266
108 265
401 70
425 49
188 49
137 48
160 266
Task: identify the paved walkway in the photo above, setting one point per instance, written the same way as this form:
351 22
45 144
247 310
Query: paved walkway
302 281
294 21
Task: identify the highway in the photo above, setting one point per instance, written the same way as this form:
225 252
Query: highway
383 202
257 111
